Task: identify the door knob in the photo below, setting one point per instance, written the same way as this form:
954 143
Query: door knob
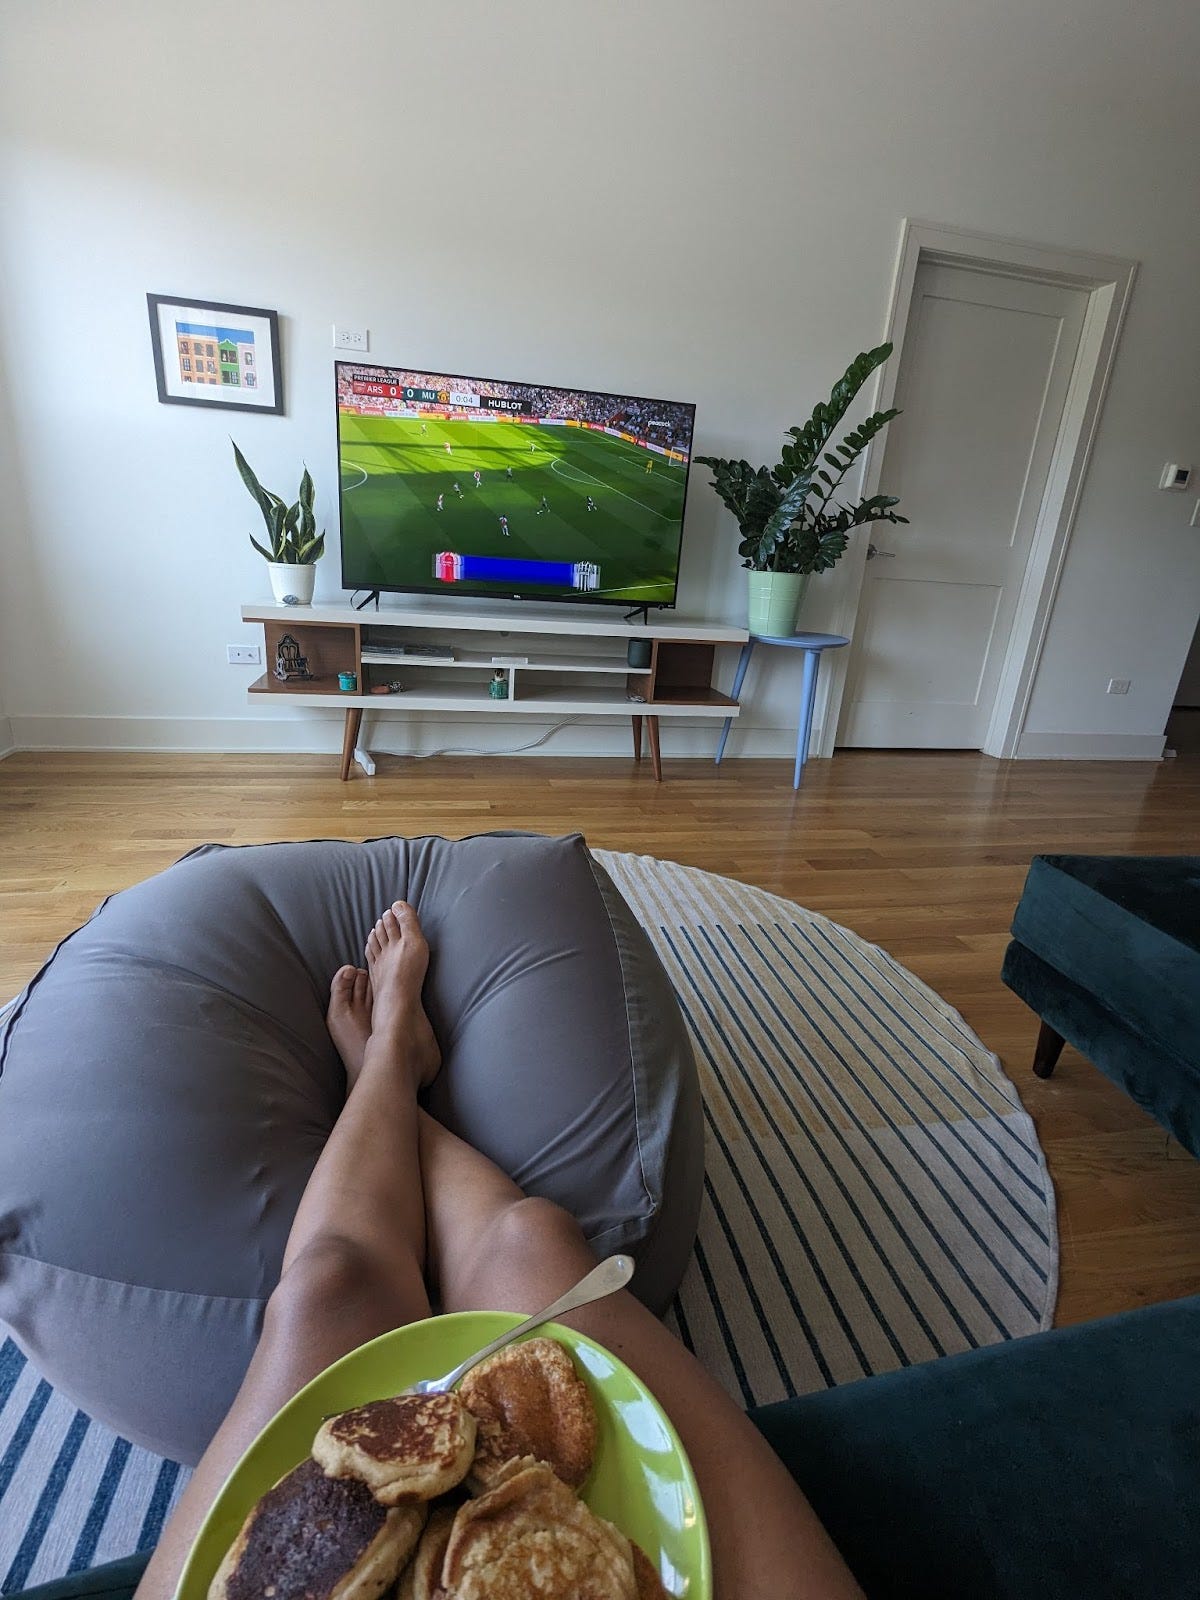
885 555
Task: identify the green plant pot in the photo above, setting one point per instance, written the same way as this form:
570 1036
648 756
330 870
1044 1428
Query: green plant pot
775 601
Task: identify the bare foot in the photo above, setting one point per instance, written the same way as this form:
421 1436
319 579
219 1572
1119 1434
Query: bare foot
349 1018
398 958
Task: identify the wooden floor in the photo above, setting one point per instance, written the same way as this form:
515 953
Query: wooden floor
924 854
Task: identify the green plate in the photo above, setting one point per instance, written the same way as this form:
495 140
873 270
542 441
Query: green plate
641 1480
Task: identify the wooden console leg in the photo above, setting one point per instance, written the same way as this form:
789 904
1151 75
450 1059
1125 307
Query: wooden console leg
637 738
350 738
1048 1049
655 752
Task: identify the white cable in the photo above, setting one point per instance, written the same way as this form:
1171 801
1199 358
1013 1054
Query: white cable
471 750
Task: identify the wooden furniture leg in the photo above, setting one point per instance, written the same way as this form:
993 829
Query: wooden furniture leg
655 752
350 738
1048 1049
637 738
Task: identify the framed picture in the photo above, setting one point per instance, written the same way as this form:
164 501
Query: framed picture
207 354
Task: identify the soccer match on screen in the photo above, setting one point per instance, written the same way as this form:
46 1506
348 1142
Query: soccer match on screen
509 489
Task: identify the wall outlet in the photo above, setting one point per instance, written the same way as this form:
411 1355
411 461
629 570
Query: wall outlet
351 338
1118 686
244 655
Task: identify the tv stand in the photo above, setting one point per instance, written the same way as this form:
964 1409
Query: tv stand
372 594
554 665
642 611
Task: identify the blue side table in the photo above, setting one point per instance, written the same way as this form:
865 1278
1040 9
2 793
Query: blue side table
812 644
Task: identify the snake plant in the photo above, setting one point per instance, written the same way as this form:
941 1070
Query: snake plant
291 529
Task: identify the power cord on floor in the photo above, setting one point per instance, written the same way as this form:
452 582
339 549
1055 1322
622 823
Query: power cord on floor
472 750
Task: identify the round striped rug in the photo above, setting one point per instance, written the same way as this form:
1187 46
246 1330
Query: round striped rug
874 1194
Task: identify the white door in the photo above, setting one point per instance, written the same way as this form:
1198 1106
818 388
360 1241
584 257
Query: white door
983 379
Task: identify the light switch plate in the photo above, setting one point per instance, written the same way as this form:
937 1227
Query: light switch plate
357 339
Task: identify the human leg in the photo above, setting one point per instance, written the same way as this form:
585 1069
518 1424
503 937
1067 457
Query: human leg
492 1248
354 1261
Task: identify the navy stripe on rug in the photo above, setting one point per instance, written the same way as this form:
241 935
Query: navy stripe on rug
72 1493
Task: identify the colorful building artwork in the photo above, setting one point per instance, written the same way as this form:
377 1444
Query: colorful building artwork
223 356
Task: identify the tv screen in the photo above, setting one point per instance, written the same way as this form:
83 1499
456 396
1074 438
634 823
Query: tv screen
475 486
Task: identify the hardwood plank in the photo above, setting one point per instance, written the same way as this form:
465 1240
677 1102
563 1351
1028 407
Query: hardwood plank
924 854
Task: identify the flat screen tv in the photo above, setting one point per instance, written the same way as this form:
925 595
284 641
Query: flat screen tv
476 486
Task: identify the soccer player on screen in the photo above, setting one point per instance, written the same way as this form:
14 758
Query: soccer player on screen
650 466
458 488
545 506
504 527
448 449
439 502
508 474
424 427
477 478
532 448
591 505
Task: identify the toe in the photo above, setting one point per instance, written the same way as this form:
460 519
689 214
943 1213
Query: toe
342 985
362 987
373 945
391 927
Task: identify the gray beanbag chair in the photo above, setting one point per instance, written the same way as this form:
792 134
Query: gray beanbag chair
168 1083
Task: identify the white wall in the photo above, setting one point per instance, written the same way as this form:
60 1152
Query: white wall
689 198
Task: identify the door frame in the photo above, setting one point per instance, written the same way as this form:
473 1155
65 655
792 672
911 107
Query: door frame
1108 283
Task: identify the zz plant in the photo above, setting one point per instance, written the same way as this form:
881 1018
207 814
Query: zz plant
787 514
291 530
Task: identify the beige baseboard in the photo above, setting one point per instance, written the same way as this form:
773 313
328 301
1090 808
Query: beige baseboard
1090 747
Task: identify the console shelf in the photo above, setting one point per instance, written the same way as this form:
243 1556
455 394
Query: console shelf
575 666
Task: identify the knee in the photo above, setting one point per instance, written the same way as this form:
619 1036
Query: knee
529 1226
330 1271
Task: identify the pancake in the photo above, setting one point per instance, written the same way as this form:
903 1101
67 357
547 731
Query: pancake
421 1578
409 1448
534 1539
317 1538
649 1584
530 1401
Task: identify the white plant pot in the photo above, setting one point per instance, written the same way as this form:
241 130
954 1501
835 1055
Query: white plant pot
290 584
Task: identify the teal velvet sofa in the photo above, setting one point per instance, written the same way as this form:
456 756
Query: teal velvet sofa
1065 1466
1106 950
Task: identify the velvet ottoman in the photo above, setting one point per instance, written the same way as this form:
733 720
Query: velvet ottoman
167 1083
1106 950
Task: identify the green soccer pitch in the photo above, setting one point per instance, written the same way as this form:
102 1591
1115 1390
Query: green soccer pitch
392 474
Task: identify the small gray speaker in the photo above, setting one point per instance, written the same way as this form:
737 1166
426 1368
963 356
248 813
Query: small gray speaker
638 654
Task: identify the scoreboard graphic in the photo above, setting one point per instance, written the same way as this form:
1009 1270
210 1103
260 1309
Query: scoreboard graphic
450 567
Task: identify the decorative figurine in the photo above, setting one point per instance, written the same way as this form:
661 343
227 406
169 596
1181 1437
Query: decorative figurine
498 688
290 665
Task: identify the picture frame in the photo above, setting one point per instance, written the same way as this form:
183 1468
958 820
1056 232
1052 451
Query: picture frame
207 353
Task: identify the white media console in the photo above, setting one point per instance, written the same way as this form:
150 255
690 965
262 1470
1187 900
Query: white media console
573 666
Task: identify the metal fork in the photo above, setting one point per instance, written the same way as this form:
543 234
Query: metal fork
611 1275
